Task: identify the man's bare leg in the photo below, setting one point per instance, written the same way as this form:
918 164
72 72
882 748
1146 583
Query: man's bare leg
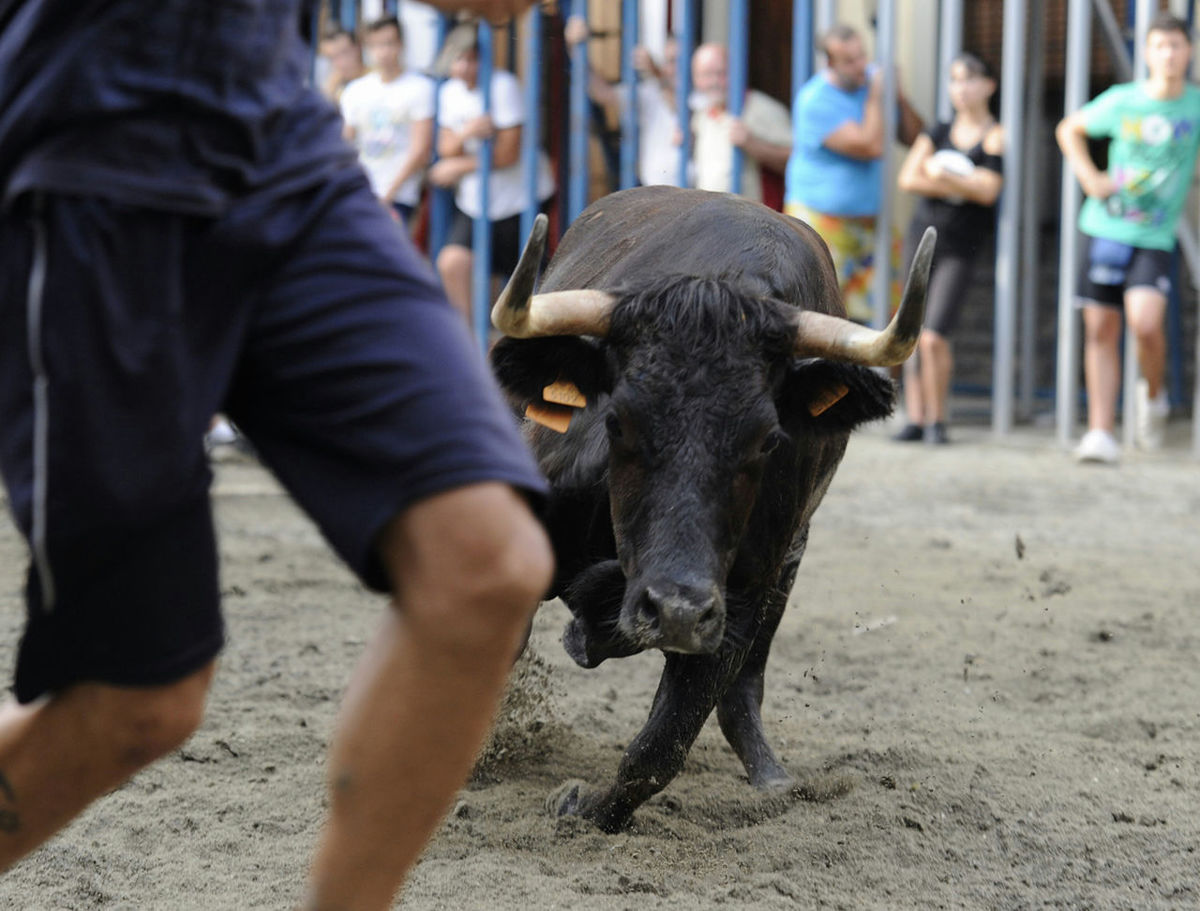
454 267
60 754
468 567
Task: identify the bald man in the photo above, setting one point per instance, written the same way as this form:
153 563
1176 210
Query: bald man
763 132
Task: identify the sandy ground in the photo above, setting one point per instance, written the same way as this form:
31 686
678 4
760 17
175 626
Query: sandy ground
987 681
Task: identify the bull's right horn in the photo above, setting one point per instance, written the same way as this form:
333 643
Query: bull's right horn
522 314
823 335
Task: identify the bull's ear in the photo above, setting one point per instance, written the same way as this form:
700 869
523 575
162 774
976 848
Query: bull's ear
828 396
524 368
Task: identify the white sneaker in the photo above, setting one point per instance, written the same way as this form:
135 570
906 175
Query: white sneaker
1098 446
1151 416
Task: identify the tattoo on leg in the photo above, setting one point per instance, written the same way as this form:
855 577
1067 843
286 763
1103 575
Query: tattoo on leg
9 820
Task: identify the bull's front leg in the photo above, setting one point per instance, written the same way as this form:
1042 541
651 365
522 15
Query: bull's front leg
594 598
739 710
686 696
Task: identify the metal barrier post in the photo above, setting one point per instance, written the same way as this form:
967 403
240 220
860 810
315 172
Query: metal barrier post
1008 232
481 233
630 36
739 49
950 29
531 130
803 44
683 86
440 198
577 180
886 52
1079 39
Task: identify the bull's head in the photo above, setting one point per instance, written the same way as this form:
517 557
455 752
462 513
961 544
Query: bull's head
698 398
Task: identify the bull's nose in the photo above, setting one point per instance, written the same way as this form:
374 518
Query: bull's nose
681 618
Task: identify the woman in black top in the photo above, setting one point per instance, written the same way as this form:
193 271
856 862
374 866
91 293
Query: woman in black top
956 168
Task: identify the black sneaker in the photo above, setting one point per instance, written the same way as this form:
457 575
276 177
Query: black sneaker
911 433
935 434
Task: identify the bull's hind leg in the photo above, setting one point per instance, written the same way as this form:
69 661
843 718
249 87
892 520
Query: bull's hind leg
739 710
686 695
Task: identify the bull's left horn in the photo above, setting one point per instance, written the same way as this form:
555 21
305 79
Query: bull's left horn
522 314
822 335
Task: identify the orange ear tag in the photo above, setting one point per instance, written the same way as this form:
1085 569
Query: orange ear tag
564 392
827 399
556 417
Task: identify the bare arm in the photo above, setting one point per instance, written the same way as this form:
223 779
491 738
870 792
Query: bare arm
911 124
920 174
1071 134
770 154
862 139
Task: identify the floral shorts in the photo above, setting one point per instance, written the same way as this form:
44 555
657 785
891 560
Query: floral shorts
851 242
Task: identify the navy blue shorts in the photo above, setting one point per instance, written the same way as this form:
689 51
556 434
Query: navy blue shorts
310 320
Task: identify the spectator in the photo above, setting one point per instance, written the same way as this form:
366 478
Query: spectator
658 128
343 59
956 169
1129 219
462 128
834 173
175 259
389 117
763 132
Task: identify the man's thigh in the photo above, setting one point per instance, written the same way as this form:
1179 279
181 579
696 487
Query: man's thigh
103 405
359 384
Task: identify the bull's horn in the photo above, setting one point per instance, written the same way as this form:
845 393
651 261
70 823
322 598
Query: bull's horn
822 335
522 314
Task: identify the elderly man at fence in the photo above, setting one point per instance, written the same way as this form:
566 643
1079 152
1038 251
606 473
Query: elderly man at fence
763 131
834 176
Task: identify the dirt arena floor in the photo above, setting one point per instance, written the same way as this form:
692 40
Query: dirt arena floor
987 684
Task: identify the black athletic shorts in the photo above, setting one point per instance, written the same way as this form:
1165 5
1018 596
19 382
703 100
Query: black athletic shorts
1108 269
310 320
507 241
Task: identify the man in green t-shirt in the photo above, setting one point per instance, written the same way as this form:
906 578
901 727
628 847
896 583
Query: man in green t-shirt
1129 216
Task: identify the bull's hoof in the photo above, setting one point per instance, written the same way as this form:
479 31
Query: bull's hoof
776 782
566 799
575 643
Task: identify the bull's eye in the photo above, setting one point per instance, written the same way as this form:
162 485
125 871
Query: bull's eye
613 425
772 441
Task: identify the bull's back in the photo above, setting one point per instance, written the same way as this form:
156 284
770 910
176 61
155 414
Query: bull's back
620 239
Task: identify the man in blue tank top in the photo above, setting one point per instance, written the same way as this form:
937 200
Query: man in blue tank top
183 231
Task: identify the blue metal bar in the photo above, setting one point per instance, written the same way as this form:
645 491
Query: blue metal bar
440 198
481 233
630 28
531 130
739 49
683 85
391 7
577 153
348 15
803 43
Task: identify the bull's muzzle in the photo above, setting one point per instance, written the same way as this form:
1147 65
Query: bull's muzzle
675 617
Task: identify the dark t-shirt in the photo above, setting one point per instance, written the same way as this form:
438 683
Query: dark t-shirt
962 226
180 105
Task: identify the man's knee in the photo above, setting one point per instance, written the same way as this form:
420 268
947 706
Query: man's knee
145 723
474 561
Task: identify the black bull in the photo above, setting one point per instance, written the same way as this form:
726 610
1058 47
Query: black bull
682 490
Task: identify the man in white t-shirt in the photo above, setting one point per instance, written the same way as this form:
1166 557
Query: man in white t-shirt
764 131
658 128
389 118
462 127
